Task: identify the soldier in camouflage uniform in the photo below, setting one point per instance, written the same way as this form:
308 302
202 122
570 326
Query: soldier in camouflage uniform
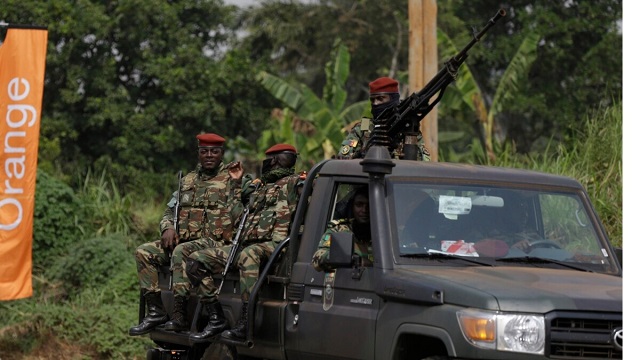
271 206
383 94
208 206
356 223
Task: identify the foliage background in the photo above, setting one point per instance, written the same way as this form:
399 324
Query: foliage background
129 83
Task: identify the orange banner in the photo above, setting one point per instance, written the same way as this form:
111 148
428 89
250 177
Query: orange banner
22 64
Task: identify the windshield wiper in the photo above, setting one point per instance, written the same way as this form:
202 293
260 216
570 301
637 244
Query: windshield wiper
434 254
539 260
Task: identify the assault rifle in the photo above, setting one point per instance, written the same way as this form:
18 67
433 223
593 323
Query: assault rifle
400 124
176 213
235 245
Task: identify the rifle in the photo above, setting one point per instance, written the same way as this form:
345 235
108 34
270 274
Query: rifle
403 120
176 212
235 245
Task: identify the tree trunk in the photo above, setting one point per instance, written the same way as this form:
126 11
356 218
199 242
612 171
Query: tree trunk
423 62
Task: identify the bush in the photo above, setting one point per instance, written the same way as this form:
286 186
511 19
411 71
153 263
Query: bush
99 277
59 220
92 262
107 311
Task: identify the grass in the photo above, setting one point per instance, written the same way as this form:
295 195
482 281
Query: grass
594 158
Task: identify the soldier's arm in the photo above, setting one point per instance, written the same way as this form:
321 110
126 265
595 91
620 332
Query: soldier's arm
283 214
167 217
238 194
321 255
424 152
352 144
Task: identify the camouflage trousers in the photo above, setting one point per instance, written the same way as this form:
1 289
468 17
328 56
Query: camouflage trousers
151 256
248 262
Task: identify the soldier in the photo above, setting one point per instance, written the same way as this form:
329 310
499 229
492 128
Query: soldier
357 223
383 94
209 202
271 206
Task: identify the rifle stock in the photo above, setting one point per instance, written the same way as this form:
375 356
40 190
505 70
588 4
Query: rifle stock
400 124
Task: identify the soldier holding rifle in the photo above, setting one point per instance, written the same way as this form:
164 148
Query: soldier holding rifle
207 208
270 207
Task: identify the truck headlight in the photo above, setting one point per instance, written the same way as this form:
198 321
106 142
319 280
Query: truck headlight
503 331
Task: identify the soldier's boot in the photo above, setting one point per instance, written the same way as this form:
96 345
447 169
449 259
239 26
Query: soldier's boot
178 320
239 332
156 315
217 323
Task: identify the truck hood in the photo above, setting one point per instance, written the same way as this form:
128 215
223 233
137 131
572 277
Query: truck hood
506 288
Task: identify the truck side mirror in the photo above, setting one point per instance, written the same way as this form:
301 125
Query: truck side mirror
340 250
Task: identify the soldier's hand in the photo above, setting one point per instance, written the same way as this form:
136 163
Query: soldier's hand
235 170
522 245
169 239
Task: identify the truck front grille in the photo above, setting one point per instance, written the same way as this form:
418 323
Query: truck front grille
585 335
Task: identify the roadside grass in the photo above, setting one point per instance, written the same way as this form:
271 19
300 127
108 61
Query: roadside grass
594 158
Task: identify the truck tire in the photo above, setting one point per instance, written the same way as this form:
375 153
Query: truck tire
217 351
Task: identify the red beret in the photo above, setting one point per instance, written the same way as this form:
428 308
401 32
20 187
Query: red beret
280 147
210 140
383 85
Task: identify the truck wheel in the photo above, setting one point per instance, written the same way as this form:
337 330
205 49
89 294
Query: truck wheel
217 351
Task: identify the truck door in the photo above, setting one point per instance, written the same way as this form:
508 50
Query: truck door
337 317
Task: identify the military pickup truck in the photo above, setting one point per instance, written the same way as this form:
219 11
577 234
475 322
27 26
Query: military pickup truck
470 262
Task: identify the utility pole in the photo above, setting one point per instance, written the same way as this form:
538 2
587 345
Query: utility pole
423 62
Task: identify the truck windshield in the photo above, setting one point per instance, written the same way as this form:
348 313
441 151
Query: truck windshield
498 223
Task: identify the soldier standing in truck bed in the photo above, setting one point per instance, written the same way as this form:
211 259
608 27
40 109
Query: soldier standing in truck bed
383 94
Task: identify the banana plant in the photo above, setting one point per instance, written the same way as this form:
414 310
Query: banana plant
471 96
322 121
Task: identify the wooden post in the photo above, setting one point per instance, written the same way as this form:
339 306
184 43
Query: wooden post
423 62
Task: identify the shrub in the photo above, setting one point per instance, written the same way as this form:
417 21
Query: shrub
92 262
59 219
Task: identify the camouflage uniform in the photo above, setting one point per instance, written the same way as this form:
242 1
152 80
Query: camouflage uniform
209 207
362 247
353 144
270 212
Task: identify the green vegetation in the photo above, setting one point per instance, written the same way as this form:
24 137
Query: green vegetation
130 83
92 284
593 157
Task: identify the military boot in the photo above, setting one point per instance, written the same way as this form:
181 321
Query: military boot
239 332
178 320
155 314
217 323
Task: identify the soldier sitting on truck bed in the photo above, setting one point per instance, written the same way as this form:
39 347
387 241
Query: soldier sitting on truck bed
211 179
271 207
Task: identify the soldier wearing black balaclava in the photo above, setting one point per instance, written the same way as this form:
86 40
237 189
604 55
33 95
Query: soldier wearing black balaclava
383 94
